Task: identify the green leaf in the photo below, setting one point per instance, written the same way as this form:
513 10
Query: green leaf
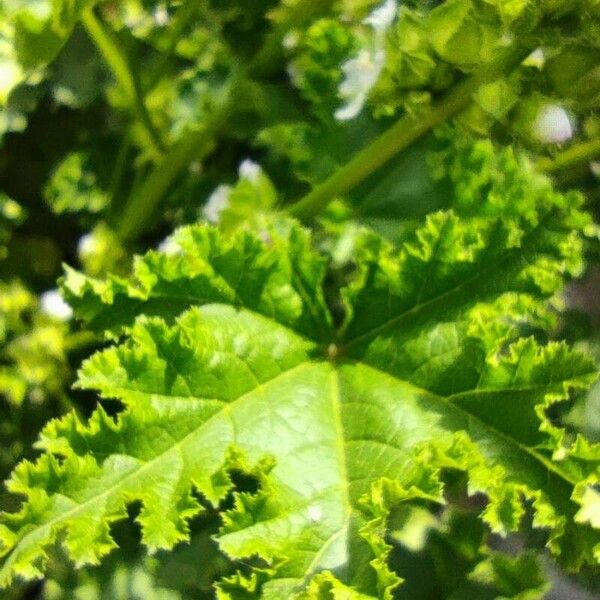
245 204
318 57
230 362
462 33
11 214
31 35
277 276
34 371
125 583
523 573
74 188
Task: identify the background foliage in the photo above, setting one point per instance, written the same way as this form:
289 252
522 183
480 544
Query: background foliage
369 122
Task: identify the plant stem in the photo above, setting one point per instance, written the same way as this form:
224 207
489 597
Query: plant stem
119 167
401 135
140 207
117 62
79 339
142 203
578 154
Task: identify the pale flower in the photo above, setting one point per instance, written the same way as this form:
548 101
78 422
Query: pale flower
249 170
315 513
87 244
362 72
218 201
290 40
169 247
553 125
52 304
536 59
161 16
381 18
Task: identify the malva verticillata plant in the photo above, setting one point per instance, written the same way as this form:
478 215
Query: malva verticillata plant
360 394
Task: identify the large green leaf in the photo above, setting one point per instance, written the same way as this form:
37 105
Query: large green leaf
234 365
276 276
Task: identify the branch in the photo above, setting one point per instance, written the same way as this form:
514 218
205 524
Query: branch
195 145
117 62
575 155
402 134
79 339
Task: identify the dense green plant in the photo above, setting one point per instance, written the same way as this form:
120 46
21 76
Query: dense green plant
343 376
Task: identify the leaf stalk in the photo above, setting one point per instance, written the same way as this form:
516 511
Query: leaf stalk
195 145
117 62
575 155
402 134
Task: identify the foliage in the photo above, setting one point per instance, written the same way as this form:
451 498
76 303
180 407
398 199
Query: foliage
343 376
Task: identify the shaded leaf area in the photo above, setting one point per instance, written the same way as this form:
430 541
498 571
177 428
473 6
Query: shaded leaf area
186 572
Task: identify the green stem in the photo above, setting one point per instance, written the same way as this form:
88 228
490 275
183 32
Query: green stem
119 167
195 145
117 62
78 340
401 135
578 154
141 206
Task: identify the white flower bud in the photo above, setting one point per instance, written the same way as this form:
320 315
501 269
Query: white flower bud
382 17
161 16
290 40
87 244
536 59
217 202
362 72
553 125
315 513
52 304
249 170
169 247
